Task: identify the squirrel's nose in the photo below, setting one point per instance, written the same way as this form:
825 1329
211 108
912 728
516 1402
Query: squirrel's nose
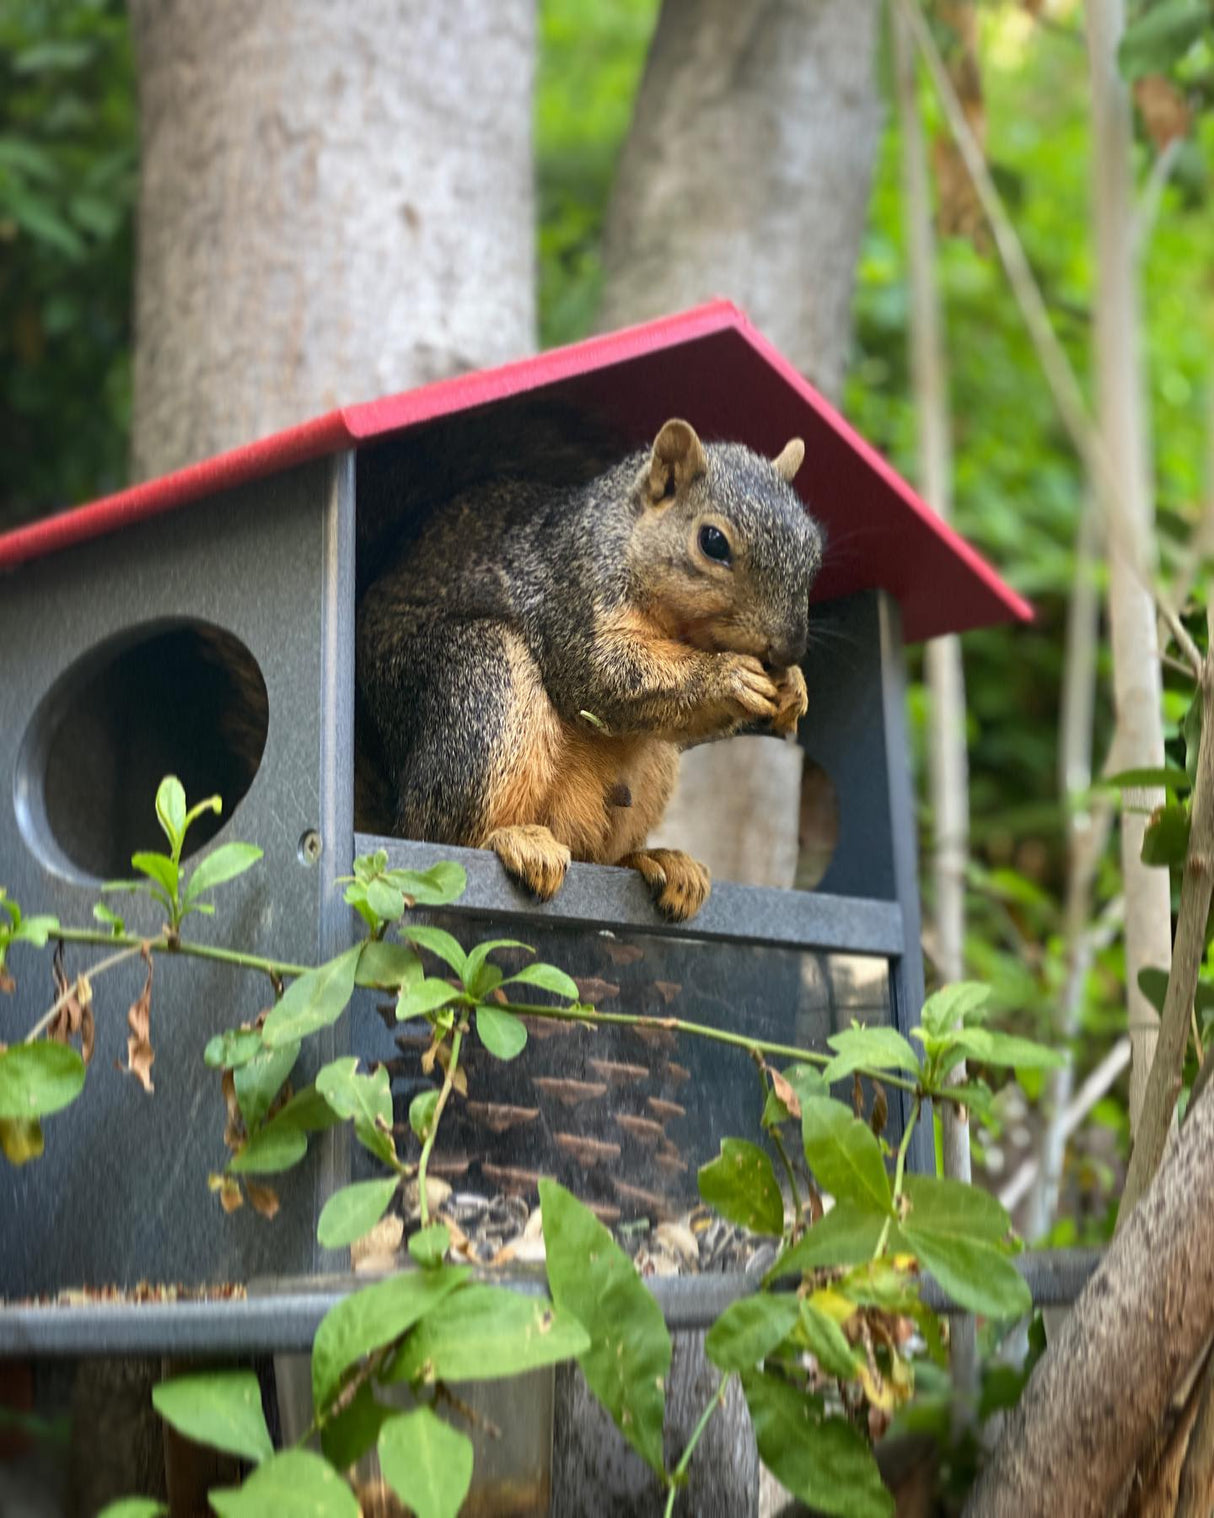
784 652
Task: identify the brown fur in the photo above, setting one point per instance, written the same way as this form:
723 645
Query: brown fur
566 779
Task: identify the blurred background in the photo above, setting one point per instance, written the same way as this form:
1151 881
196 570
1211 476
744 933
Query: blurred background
342 200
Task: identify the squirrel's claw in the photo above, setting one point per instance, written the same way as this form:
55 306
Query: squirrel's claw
532 855
792 700
680 885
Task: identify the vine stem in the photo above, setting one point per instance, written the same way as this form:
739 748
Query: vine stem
579 1014
680 1470
899 1175
449 1075
162 945
61 1001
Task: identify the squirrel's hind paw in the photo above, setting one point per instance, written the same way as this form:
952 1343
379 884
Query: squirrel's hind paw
680 885
531 854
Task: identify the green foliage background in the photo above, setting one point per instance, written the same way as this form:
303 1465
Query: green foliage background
68 181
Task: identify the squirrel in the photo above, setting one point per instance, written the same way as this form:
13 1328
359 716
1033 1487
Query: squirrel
529 671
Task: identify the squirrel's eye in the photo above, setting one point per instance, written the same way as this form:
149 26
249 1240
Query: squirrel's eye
714 544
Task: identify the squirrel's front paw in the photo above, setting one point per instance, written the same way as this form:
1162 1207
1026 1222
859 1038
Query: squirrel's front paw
749 686
532 855
679 884
792 700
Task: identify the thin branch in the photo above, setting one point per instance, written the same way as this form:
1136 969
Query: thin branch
100 968
1060 376
1097 1085
1196 1496
1147 213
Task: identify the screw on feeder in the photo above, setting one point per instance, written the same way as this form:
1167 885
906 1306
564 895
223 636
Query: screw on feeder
310 847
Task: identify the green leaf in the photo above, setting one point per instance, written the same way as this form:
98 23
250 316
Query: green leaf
868 1049
486 1333
271 1149
806 1081
1166 839
36 930
846 1235
750 1329
952 1208
438 886
21 1139
133 1507
423 997
844 1155
977 1275
221 1408
367 1098
1167 778
479 953
349 1434
313 1001
385 900
354 1211
235 1047
593 1280
226 863
427 1463
294 1484
994 1048
823 1461
102 913
438 942
827 1342
428 1245
161 869
368 1319
741 1184
259 1080
501 1032
308 1111
170 810
1161 36
39 1078
547 978
953 1004
388 966
421 1113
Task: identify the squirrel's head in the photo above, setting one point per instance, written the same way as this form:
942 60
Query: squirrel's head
723 551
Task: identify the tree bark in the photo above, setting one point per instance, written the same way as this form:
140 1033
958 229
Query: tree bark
336 202
746 174
1131 517
1094 1400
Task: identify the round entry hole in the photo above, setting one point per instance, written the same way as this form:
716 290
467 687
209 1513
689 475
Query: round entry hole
186 700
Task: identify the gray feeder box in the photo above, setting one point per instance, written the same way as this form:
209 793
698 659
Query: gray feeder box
108 687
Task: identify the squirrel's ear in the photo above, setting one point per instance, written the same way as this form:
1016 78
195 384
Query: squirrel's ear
789 459
676 460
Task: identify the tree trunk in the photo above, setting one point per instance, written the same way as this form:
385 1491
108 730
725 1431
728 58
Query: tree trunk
746 174
336 202
1095 1399
1131 519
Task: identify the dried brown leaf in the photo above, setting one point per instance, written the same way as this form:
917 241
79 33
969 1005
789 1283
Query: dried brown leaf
785 1092
230 1197
880 1113
263 1199
594 989
7 984
233 1129
139 1052
1164 110
857 1094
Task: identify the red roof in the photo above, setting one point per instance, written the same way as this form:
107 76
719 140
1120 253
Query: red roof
708 365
